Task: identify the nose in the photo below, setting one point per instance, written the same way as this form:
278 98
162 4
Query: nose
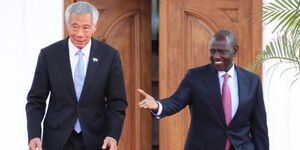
216 56
79 34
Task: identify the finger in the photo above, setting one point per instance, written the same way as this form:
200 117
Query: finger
112 145
104 144
145 107
142 92
146 104
115 147
143 102
39 146
32 146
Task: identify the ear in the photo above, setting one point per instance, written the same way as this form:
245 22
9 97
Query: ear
236 48
94 28
68 28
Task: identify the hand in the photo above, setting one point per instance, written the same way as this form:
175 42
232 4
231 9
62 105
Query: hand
35 144
110 142
148 102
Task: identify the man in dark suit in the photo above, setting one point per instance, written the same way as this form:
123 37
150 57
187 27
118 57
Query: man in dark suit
226 102
84 76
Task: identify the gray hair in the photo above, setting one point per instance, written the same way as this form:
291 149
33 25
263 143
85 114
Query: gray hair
81 8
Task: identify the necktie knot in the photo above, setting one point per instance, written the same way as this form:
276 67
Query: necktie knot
79 53
226 76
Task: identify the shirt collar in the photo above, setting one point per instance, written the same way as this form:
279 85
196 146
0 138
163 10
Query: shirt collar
73 49
231 72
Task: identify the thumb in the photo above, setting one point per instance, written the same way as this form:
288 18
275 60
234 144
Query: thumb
104 144
40 146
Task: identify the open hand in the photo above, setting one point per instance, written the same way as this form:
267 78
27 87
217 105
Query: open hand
148 102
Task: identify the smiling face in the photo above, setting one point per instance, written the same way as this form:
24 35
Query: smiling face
80 29
222 53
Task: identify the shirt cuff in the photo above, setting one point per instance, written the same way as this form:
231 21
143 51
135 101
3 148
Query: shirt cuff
158 113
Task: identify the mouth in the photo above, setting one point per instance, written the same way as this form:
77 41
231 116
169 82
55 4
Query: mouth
79 41
218 62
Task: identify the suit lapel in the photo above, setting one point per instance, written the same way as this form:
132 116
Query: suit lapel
212 83
243 84
94 60
66 67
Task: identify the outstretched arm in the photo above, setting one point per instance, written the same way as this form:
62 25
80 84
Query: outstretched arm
170 105
148 102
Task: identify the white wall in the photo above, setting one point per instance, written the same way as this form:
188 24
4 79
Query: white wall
282 101
26 27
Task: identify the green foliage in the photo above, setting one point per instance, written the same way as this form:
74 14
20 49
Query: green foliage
285 47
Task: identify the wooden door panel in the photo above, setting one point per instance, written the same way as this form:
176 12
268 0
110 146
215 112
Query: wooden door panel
197 30
123 35
186 27
125 25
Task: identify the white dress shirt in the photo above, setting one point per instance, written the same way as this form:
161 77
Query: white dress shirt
234 92
74 57
233 85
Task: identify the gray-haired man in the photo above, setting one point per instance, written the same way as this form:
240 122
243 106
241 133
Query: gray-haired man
87 94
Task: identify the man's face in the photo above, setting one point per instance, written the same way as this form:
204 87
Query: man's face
222 54
81 29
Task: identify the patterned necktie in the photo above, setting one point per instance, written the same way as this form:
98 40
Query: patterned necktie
226 99
79 76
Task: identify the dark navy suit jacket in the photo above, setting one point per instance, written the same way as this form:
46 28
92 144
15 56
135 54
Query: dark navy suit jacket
200 90
101 108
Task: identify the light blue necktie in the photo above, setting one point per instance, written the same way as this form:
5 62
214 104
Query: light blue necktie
79 76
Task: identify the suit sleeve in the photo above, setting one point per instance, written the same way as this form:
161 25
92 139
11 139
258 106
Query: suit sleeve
116 99
179 99
259 129
36 98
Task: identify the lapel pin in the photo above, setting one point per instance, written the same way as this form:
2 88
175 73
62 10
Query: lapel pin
95 59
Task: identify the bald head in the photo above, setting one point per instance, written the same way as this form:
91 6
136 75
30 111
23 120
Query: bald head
225 35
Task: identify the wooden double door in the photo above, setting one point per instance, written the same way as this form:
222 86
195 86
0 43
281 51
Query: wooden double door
185 29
